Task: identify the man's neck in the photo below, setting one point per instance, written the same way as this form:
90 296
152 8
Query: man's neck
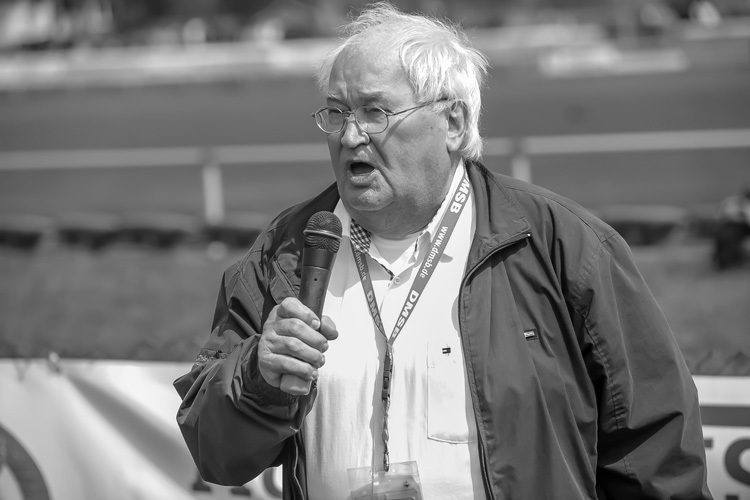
397 226
397 223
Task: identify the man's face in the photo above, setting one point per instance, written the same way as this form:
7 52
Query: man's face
400 172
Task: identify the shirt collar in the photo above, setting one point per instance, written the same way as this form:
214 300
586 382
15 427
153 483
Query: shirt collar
359 237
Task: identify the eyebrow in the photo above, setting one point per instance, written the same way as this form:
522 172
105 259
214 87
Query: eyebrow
368 98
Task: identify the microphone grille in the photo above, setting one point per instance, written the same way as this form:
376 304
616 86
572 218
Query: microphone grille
323 232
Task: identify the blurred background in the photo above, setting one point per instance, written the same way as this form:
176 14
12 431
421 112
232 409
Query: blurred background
145 143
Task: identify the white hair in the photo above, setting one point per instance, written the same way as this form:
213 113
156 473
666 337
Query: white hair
437 58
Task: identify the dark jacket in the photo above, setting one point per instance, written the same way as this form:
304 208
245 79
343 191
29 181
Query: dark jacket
578 386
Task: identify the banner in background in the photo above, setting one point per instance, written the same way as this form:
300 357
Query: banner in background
95 430
79 430
725 414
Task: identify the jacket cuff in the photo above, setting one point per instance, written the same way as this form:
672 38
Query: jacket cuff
261 391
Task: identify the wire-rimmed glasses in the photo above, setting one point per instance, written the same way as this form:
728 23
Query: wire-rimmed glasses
371 119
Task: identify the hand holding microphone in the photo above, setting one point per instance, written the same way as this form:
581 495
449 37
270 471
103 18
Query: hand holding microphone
296 335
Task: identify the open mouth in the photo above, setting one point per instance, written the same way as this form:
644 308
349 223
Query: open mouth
359 168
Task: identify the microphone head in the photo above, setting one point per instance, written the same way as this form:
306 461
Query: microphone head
323 232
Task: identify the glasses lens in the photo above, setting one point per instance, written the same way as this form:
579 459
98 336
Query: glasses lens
372 120
330 120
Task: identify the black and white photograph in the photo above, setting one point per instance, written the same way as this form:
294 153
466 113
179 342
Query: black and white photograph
206 207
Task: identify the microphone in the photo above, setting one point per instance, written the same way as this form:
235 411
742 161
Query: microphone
322 240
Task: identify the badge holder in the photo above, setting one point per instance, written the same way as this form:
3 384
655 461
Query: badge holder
400 482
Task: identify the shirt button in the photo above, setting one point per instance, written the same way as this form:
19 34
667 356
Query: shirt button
397 280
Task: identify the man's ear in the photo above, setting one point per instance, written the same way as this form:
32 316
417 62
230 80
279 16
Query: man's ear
456 115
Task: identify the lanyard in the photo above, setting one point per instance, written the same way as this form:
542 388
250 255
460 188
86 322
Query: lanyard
430 261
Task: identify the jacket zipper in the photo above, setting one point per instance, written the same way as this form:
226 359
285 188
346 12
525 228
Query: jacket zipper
513 239
482 453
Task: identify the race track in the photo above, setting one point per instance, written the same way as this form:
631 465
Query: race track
273 111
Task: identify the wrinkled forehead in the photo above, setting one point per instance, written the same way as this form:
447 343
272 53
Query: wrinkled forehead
363 72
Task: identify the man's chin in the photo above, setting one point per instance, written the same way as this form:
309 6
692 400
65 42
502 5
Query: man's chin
363 200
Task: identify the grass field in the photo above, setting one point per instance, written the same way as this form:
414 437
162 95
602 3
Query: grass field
131 303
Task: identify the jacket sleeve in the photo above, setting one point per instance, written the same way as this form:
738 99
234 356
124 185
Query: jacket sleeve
234 423
650 443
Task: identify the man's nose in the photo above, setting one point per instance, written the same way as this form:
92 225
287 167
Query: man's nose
353 135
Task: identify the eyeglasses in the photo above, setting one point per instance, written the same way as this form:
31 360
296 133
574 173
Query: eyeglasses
370 119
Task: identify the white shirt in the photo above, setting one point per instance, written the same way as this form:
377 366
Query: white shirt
430 418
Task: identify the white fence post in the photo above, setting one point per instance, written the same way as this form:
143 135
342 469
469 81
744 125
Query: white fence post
520 163
213 188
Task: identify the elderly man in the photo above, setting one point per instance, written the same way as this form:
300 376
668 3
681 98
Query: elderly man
535 363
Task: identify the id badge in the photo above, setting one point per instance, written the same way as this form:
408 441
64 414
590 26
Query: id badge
400 482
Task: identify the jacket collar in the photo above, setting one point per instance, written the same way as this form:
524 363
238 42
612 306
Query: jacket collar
499 220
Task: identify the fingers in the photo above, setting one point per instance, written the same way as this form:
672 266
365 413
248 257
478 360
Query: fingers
291 344
291 308
273 366
328 329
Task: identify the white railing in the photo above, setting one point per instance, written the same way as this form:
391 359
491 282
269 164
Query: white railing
210 159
